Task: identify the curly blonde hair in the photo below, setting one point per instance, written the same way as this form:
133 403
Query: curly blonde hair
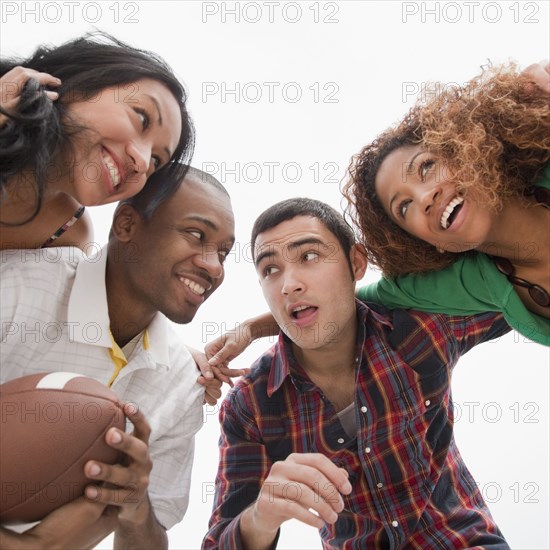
493 133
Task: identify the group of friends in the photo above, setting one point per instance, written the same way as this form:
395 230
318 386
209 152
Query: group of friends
346 423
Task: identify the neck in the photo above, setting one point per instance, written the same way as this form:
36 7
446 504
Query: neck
332 360
127 316
517 236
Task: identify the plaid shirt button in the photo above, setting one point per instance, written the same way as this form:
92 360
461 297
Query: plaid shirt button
363 409
394 523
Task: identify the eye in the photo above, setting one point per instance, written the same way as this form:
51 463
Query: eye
310 256
222 254
269 270
157 162
199 235
144 116
403 207
425 167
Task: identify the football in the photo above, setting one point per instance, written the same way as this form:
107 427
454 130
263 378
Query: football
51 424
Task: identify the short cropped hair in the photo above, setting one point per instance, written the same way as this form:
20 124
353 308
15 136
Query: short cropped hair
160 186
303 206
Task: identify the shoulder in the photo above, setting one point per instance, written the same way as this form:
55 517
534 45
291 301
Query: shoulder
42 268
417 334
544 179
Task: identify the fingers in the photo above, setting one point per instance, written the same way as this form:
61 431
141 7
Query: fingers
227 353
13 81
201 362
228 346
212 390
142 430
226 371
126 484
216 352
335 475
307 487
539 75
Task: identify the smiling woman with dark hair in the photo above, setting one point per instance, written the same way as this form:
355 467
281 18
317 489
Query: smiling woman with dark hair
83 124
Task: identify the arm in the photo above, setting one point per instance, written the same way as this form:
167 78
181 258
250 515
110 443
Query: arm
231 344
126 486
79 524
468 286
251 500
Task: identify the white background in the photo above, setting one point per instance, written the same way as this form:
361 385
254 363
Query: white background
358 67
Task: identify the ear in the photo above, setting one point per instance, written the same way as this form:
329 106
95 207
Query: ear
359 263
125 223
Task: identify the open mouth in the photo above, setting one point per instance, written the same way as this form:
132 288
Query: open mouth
451 212
303 311
194 287
112 168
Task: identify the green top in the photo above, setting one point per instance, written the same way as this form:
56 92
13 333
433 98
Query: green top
470 285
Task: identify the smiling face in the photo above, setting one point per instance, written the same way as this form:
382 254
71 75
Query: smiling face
306 281
175 260
131 130
417 192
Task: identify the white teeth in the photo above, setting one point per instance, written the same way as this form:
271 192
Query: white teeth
112 167
299 308
195 287
450 207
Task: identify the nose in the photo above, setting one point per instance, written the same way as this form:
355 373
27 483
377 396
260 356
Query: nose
428 198
209 260
140 157
291 283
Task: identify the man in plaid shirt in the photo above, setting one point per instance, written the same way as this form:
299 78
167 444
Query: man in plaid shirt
346 423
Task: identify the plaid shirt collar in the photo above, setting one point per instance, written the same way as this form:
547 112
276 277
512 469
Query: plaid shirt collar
285 365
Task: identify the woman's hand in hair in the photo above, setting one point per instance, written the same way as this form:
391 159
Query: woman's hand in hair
539 75
12 84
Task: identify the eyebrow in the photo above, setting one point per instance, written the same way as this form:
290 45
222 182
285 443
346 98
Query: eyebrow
154 100
209 223
159 120
408 171
269 253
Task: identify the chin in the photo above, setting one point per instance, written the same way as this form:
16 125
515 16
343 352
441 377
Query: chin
179 317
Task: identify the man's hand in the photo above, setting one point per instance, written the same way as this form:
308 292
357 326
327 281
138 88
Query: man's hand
294 487
213 377
125 485
78 525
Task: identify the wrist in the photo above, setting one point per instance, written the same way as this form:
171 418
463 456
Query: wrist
250 331
252 525
134 517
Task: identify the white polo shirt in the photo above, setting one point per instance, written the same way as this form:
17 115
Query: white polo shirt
54 317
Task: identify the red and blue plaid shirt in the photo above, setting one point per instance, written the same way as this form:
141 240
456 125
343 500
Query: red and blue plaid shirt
411 488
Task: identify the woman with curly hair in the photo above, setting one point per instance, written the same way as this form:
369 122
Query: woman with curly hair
454 204
83 124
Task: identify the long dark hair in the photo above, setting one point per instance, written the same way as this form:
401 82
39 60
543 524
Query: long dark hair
34 133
